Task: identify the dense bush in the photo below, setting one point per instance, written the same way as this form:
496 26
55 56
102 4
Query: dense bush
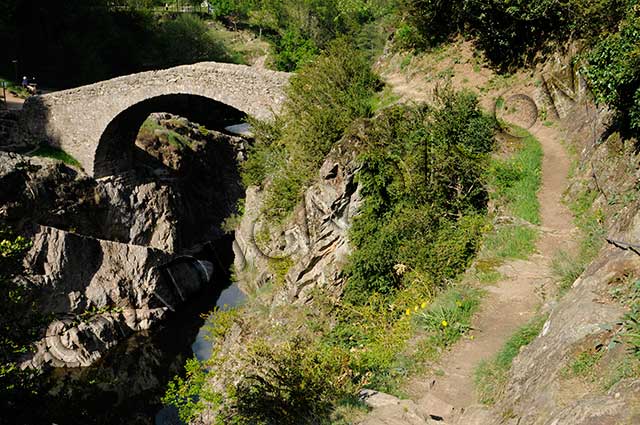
614 71
297 384
428 22
300 29
287 153
424 194
509 32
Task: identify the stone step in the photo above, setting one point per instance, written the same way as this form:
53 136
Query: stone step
390 410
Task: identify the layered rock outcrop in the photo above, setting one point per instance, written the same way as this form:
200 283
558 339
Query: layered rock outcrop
101 291
314 241
114 256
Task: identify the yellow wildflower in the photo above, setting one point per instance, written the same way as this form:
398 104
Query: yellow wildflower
445 323
415 308
423 305
408 312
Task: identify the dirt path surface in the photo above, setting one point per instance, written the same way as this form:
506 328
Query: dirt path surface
509 304
13 102
512 301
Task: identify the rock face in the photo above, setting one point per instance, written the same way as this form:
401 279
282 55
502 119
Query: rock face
389 410
10 137
314 241
102 291
115 256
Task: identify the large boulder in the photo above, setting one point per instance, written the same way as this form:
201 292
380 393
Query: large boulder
101 291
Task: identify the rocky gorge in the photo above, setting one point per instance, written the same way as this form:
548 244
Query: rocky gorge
115 257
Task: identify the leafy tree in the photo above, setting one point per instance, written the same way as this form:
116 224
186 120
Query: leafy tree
614 71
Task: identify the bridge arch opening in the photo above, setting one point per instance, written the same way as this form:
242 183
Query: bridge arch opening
115 153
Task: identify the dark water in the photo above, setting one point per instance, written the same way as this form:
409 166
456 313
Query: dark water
126 386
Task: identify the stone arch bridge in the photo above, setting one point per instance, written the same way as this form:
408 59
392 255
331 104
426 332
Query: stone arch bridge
97 124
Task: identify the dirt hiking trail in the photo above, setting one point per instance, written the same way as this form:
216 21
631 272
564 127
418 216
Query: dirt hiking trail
509 304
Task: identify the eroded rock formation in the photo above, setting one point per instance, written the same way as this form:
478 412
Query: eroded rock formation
114 256
314 240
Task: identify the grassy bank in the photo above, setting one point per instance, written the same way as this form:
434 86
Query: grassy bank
491 376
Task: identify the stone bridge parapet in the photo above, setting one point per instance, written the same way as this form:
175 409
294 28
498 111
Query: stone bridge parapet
110 112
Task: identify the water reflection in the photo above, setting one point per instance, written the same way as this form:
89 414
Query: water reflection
230 297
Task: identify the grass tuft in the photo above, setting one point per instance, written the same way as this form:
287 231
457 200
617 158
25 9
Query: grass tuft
512 242
57 154
449 317
491 376
516 181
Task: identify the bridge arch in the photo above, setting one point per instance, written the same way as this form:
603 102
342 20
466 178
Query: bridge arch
95 123
115 150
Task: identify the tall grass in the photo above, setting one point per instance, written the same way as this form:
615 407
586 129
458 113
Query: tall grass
567 266
516 180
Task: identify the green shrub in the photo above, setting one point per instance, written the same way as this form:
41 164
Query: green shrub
188 394
293 51
296 382
449 318
510 33
614 71
427 204
428 22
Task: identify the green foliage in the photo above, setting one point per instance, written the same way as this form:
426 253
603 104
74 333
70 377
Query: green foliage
512 242
632 321
509 32
428 22
614 70
567 267
188 394
491 376
294 51
288 152
584 364
293 383
373 334
424 211
449 318
187 39
300 29
19 321
58 154
516 180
